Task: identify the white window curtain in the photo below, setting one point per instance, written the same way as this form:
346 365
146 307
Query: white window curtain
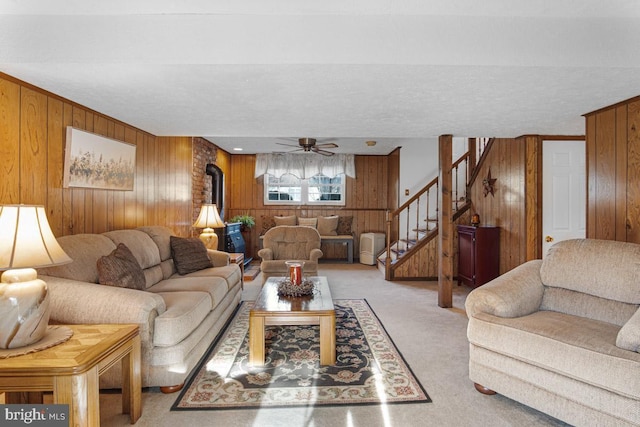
305 166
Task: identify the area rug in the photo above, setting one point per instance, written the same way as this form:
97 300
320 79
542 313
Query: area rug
369 369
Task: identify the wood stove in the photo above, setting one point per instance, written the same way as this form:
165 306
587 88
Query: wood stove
230 240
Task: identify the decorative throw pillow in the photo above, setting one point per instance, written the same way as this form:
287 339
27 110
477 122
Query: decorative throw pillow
189 254
120 268
308 222
267 223
285 220
327 225
344 225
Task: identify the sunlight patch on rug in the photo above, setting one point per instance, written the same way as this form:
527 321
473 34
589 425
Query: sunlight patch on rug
369 369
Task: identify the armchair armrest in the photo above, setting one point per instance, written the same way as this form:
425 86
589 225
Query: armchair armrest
514 294
315 255
266 254
218 258
629 336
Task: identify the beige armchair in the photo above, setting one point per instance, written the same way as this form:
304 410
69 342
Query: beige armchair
286 243
562 335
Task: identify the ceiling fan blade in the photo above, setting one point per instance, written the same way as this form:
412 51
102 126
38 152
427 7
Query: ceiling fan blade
323 152
288 145
327 145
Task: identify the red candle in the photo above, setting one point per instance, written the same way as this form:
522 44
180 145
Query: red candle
295 273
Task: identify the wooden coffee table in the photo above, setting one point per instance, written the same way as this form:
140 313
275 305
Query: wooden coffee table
71 371
272 309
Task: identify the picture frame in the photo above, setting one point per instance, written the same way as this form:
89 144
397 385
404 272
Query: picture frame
95 161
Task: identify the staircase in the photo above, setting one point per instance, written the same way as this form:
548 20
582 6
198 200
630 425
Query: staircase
414 225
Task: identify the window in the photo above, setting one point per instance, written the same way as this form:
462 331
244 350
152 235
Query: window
317 190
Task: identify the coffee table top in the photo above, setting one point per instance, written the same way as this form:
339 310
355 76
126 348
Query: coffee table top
269 300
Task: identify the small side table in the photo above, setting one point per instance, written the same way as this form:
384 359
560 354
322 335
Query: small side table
238 258
71 370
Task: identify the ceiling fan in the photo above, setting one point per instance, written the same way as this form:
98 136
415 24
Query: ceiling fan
309 144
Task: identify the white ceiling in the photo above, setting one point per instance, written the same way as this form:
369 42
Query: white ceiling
249 73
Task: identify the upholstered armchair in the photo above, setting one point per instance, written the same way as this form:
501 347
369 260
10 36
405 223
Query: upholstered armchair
286 243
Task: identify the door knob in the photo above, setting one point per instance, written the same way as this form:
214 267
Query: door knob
548 239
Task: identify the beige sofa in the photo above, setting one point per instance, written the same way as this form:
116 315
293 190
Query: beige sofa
562 334
179 316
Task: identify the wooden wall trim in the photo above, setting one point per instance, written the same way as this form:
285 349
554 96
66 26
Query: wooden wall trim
621 167
632 183
533 196
592 171
613 106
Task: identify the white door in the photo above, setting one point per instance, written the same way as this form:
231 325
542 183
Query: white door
564 192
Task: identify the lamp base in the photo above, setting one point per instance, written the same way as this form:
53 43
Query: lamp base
209 238
24 308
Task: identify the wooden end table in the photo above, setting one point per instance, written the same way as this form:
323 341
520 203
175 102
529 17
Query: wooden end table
71 371
238 258
271 309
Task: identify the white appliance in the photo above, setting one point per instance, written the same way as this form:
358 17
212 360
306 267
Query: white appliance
371 244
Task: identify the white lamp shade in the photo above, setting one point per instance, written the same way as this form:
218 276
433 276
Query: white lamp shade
26 243
208 217
26 240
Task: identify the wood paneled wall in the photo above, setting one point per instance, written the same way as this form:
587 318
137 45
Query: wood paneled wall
369 196
32 139
613 170
506 207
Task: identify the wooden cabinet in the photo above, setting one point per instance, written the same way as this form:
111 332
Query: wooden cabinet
478 254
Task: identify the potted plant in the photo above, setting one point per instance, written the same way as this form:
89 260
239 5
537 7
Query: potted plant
246 220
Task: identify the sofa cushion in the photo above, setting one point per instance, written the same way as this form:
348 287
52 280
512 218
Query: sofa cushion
85 250
585 305
308 222
285 220
328 225
185 311
344 225
141 245
568 345
231 274
267 223
161 237
189 254
216 287
603 268
121 269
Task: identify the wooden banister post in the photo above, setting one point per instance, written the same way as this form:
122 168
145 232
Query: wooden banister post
387 261
445 224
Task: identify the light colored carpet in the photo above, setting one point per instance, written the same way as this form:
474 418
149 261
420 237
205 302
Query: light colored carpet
432 340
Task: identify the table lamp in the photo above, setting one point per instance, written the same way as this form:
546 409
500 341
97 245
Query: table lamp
26 243
208 219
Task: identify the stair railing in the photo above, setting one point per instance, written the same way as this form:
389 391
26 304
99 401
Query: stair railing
413 218
460 174
418 216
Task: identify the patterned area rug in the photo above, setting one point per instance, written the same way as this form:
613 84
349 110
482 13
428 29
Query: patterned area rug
369 369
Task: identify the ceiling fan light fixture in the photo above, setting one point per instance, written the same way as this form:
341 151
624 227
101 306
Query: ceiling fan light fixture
309 145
